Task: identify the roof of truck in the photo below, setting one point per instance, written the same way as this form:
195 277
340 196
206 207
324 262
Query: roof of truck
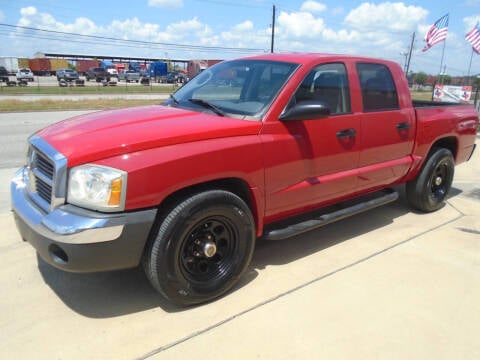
304 58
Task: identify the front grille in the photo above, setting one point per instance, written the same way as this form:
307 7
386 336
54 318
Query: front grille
43 171
46 174
45 166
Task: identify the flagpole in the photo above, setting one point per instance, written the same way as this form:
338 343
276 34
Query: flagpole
470 65
441 61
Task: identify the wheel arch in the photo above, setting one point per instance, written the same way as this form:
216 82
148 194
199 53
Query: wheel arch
449 143
236 186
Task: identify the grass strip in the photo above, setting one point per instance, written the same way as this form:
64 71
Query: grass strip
79 90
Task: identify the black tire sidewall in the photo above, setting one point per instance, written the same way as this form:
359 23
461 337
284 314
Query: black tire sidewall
419 190
167 273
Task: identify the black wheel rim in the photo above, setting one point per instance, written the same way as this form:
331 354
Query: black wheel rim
208 250
439 182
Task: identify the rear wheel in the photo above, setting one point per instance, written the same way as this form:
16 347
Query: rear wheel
429 189
203 246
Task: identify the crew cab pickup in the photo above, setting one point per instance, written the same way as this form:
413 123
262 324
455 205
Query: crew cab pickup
268 147
98 74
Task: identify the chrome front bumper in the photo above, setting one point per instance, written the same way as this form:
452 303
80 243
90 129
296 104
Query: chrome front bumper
80 240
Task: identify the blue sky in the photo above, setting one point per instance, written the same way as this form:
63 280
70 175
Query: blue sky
222 29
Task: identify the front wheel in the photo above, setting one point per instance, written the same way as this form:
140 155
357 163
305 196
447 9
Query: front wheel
431 186
202 247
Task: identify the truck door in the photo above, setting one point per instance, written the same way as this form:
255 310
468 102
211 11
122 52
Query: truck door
387 126
313 161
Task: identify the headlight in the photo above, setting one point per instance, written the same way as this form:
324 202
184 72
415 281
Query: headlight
97 187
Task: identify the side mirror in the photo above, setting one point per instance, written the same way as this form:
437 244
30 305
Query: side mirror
306 110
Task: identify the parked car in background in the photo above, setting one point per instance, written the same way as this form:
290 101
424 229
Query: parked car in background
172 77
67 74
3 74
98 74
113 72
25 74
129 75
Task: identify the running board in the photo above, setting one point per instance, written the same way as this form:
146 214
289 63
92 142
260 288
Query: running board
386 196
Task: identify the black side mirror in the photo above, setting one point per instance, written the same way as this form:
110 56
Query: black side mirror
306 110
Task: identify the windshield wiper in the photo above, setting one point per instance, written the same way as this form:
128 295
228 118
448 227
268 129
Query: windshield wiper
174 99
208 105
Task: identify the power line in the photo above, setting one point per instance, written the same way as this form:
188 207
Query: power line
74 37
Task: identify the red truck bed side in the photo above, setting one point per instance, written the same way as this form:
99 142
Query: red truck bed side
453 126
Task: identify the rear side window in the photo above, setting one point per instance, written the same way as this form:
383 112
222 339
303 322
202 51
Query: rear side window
378 88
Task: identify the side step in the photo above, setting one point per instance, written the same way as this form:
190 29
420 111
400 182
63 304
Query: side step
382 198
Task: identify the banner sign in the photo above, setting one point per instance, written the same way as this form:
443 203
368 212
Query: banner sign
457 94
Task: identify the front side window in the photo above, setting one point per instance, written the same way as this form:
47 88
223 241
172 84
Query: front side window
378 88
327 83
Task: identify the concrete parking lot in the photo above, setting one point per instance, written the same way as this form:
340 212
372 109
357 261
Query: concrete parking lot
388 284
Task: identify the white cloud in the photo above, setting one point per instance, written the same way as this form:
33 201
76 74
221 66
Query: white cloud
244 26
471 21
313 7
339 10
185 29
341 36
166 3
2 15
386 16
300 24
83 26
28 11
244 35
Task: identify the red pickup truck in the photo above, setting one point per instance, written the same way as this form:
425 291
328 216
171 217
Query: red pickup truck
268 146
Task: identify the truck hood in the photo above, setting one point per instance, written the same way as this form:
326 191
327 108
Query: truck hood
104 134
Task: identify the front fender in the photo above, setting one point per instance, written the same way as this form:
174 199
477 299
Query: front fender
154 174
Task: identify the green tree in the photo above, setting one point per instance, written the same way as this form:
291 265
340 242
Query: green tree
420 78
447 79
476 82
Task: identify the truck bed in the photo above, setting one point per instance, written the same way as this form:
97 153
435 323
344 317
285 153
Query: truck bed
453 122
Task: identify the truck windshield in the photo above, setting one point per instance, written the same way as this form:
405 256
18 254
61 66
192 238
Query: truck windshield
238 88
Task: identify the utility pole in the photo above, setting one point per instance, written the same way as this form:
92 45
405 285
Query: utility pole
405 53
410 54
273 29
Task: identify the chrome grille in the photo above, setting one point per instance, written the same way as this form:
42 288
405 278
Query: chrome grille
44 166
46 174
43 172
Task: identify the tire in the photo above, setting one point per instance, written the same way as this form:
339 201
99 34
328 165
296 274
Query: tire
429 189
202 247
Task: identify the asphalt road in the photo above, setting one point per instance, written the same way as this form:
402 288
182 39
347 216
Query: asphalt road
389 284
15 128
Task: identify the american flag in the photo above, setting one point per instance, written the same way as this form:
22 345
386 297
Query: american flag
436 33
473 37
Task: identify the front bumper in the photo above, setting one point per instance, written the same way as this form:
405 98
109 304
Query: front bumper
80 240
